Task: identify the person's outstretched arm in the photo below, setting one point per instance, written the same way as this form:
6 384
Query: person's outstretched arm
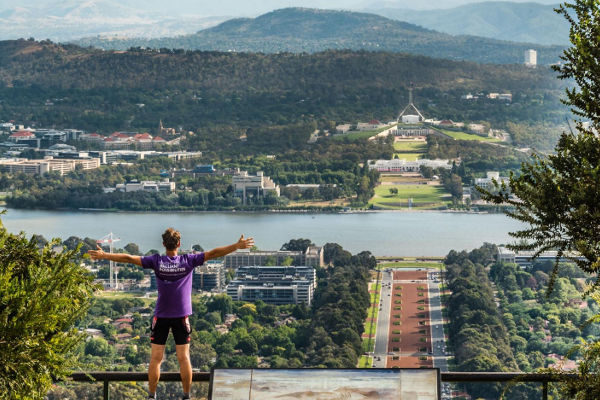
99 254
223 251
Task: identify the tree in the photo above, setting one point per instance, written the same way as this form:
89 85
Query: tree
43 294
197 247
297 245
98 347
133 249
558 196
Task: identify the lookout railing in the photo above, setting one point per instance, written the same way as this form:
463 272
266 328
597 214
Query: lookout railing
507 377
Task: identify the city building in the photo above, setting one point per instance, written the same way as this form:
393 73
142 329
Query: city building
415 130
209 277
530 58
411 119
205 169
111 157
146 186
343 128
487 182
500 96
259 185
312 257
524 258
48 164
400 165
274 285
21 135
369 126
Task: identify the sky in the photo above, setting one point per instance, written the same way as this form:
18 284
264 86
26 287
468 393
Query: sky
248 7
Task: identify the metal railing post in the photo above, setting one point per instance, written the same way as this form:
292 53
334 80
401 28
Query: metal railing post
545 391
106 394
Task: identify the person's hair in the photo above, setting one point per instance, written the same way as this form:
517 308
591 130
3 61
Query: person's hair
171 239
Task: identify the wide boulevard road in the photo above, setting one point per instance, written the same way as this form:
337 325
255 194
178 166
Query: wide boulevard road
383 321
437 330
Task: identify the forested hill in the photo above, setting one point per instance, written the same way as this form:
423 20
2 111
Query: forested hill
95 89
311 30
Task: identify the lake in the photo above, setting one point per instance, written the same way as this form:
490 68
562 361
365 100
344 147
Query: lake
382 233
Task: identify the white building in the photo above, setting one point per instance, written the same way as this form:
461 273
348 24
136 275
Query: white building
487 182
411 119
41 167
258 184
399 165
146 186
342 128
530 58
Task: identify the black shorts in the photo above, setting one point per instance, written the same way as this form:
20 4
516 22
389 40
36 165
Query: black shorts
159 330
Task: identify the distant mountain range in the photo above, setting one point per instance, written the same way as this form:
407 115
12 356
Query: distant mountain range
310 30
72 19
65 20
517 22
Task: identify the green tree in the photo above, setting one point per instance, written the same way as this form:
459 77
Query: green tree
98 347
132 248
43 294
558 195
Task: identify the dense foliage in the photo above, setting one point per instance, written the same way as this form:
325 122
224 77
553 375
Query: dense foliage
43 294
501 318
215 93
476 332
557 196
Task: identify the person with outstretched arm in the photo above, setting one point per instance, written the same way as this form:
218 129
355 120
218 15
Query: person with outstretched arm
174 304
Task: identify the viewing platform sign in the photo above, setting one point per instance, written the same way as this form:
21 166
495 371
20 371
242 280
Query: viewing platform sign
325 384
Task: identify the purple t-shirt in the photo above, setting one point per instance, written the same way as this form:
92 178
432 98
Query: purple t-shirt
174 281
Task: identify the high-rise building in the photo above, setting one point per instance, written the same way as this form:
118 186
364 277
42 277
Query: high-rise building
530 58
209 277
274 285
312 257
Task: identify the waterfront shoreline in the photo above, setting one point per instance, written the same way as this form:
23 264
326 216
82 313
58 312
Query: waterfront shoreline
278 211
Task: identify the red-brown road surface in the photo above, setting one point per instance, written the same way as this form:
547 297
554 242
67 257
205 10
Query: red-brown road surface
410 340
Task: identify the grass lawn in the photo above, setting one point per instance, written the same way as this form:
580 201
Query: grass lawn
402 179
411 145
368 345
373 312
408 156
365 362
410 264
355 135
104 294
376 287
370 328
423 196
470 136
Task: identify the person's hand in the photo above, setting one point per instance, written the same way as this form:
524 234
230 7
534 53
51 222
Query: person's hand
245 243
96 254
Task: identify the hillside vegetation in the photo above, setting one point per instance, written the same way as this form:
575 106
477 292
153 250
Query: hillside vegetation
301 30
108 90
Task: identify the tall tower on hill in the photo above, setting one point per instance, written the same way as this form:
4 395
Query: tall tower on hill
406 118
